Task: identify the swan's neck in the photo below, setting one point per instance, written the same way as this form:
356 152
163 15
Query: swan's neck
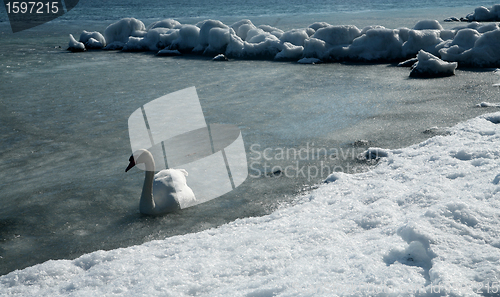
147 203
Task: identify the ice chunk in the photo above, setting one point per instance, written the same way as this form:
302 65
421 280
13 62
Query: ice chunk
485 53
92 40
334 177
220 57
290 52
315 48
218 39
428 25
205 37
169 53
135 44
374 153
487 104
487 28
242 27
167 23
261 44
318 25
422 40
122 30
270 29
75 46
481 14
309 61
377 44
295 37
337 35
464 40
408 63
187 38
429 65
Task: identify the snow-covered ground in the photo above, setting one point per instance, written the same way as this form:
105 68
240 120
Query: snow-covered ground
424 222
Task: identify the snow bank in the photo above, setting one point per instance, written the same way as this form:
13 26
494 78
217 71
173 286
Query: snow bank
424 222
472 45
429 65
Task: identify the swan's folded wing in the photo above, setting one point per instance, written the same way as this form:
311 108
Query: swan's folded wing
172 184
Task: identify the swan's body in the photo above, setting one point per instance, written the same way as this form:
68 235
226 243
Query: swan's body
163 192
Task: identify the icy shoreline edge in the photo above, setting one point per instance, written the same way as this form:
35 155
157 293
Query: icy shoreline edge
425 219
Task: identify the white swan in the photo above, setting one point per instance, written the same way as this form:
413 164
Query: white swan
163 192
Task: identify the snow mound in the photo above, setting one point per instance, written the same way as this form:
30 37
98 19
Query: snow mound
429 65
426 219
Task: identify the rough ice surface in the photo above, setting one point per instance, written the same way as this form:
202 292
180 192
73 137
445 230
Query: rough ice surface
429 65
424 222
474 45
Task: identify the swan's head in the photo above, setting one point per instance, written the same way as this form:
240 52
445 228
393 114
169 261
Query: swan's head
141 156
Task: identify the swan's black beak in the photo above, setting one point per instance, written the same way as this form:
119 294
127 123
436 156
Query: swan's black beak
131 164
